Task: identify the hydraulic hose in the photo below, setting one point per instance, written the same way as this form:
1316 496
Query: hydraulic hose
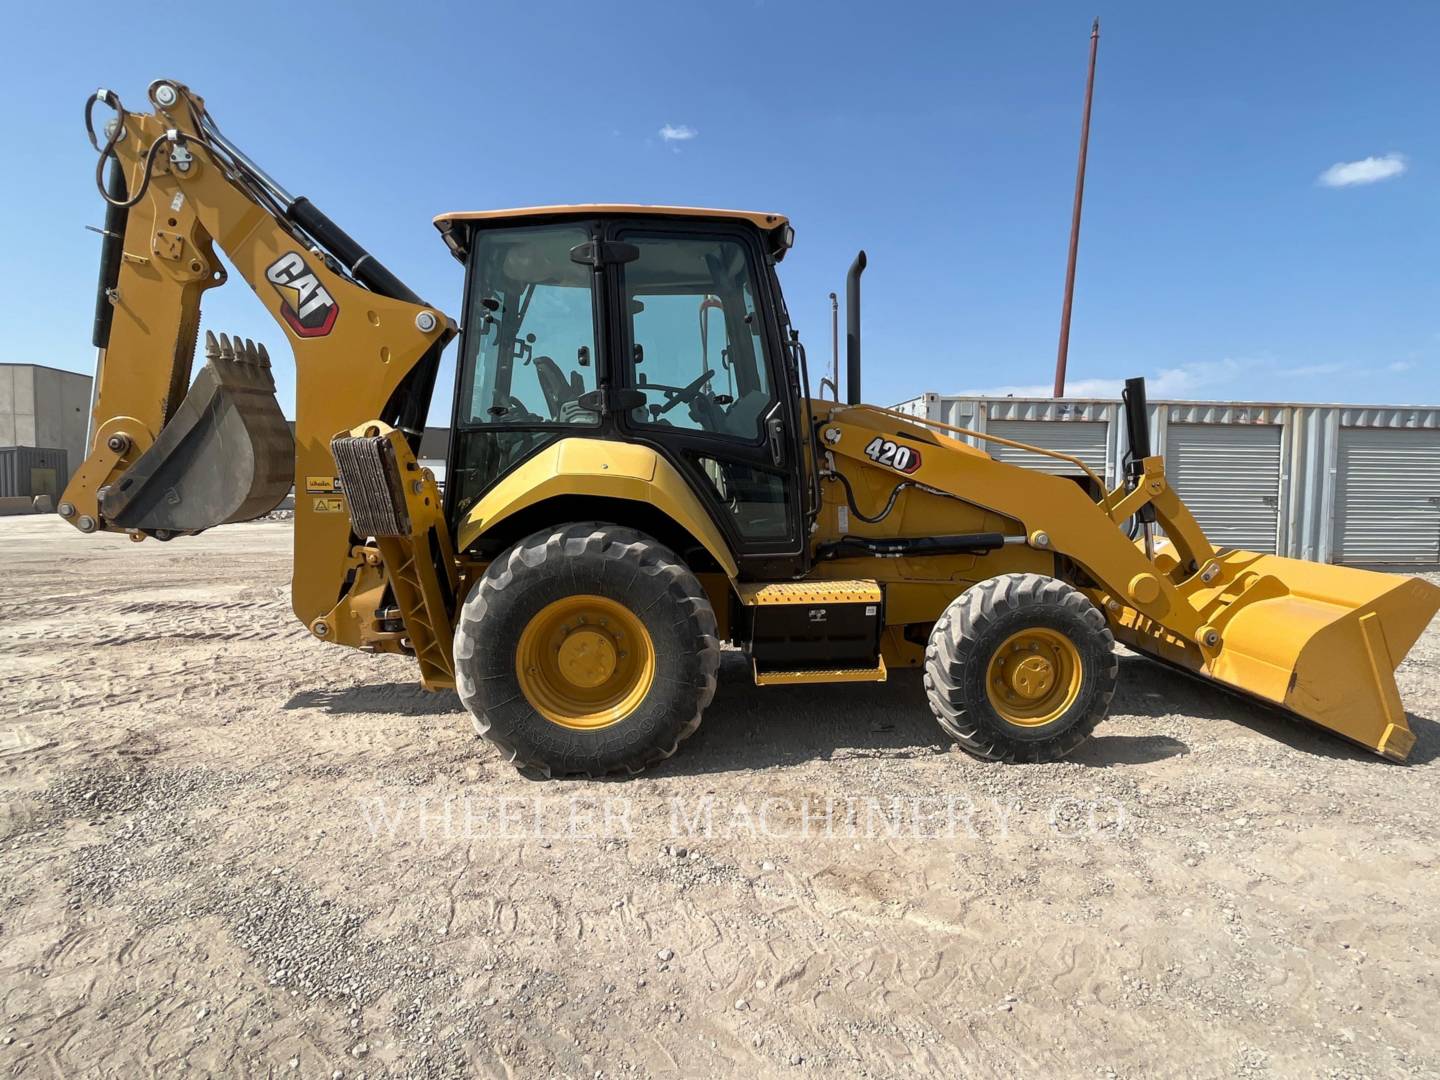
889 504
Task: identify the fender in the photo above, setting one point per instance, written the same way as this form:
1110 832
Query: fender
604 469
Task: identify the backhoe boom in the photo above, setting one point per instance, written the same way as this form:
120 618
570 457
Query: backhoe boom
365 348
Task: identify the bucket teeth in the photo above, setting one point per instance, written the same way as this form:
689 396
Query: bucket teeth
241 350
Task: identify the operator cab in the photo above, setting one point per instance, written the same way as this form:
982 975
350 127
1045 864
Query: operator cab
653 325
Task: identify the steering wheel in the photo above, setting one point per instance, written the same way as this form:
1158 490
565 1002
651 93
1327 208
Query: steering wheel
676 395
510 410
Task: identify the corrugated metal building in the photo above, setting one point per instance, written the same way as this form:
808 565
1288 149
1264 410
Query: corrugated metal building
27 471
1354 484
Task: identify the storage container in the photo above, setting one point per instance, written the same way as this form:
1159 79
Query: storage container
1355 484
32 470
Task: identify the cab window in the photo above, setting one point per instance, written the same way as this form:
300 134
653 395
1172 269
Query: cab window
697 344
531 344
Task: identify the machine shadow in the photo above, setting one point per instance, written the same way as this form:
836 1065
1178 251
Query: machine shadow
749 727
1149 688
401 699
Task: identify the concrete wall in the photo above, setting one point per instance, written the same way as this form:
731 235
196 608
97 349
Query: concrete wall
44 406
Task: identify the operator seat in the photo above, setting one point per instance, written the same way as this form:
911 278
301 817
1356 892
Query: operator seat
743 418
558 390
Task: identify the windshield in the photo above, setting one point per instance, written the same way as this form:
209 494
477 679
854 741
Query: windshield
530 350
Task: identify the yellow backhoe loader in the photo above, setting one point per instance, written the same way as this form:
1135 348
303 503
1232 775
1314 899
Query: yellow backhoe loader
637 473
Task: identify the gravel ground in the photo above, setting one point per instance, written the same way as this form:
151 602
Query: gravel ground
226 848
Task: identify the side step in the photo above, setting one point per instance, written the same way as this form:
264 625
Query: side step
820 675
798 632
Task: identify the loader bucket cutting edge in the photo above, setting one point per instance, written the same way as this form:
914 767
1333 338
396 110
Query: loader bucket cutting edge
1318 640
226 455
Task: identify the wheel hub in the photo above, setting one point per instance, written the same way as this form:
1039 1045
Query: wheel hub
585 662
1033 677
587 657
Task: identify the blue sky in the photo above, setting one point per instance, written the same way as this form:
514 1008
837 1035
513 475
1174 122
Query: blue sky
940 137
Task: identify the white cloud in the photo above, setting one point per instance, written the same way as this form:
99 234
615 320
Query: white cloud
1098 388
1400 366
672 133
1365 171
1185 381
1309 370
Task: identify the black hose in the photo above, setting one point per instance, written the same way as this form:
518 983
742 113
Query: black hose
107 149
850 498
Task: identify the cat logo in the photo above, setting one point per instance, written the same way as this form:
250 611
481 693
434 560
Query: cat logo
306 306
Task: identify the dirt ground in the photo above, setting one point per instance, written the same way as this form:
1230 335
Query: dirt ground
226 848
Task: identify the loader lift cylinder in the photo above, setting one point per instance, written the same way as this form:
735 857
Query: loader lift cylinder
852 330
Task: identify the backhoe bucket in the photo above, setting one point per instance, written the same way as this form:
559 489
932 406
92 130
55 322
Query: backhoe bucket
1318 640
226 455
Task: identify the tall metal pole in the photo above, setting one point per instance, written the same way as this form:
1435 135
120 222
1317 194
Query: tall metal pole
1063 355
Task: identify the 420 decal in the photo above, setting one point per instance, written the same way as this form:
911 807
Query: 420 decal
888 452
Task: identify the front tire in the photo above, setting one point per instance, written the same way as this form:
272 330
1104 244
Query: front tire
1021 667
587 649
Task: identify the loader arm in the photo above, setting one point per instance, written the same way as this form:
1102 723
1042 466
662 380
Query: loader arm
167 458
1319 641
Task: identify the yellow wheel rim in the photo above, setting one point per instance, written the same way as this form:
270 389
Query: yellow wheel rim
585 662
1033 677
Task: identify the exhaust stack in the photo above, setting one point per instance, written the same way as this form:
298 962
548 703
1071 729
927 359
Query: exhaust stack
852 330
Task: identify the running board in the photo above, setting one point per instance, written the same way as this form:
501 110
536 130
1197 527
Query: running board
820 675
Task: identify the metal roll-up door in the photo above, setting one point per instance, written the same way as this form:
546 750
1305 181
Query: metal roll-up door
1229 477
1387 503
1084 439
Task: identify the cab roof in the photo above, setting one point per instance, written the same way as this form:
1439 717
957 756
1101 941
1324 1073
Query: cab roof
765 221
446 222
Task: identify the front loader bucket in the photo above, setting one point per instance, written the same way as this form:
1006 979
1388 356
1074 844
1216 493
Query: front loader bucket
226 455
1318 640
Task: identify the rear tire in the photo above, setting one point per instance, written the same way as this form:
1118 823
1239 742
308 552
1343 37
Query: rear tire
1020 668
586 649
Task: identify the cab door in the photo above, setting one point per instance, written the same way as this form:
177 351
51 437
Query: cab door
698 357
